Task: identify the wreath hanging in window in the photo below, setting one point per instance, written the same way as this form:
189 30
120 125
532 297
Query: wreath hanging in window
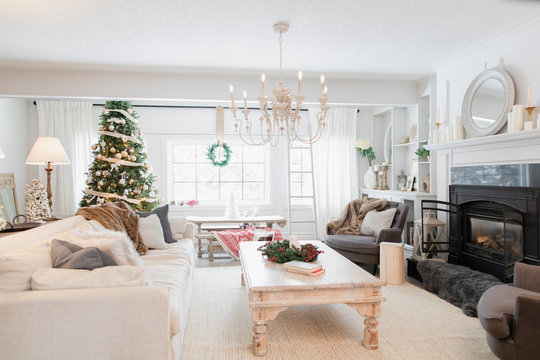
211 154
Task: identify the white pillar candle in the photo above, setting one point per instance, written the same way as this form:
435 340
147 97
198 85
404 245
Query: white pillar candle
509 123
294 242
517 117
538 122
458 128
529 95
436 137
376 167
529 125
449 133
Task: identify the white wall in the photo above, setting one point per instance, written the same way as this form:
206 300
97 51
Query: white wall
15 143
521 54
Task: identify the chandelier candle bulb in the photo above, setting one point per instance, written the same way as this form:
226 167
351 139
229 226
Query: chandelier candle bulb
300 76
263 79
245 99
322 84
325 90
231 89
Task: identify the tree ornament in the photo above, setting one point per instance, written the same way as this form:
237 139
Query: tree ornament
113 150
123 122
211 154
145 187
131 150
102 143
105 173
131 181
118 156
101 183
122 181
130 111
124 153
98 173
94 147
98 156
111 128
124 138
152 193
106 112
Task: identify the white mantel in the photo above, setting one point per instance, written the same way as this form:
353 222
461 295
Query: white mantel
512 148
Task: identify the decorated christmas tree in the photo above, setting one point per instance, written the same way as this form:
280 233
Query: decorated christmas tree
36 205
120 170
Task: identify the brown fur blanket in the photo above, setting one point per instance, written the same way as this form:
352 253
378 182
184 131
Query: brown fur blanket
117 216
351 219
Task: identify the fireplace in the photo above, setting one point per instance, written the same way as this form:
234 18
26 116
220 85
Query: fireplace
495 226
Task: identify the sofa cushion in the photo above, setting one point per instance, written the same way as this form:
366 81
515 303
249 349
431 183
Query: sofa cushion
163 215
17 266
151 231
110 276
496 309
355 243
65 255
375 221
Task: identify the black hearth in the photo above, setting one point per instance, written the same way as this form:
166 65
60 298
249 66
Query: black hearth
496 227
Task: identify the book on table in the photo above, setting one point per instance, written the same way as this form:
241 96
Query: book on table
314 273
303 267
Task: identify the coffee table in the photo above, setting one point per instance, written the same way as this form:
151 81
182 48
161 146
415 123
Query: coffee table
272 289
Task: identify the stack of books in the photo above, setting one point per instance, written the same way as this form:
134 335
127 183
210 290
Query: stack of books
304 268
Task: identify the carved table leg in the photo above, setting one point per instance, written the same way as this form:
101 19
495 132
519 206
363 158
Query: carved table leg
210 249
370 311
242 279
260 317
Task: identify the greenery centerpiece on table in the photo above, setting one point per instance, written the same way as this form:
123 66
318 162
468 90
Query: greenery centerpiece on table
280 252
365 150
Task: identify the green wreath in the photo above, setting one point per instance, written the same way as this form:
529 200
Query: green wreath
211 155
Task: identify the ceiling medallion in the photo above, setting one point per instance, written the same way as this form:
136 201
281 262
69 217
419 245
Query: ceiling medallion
280 113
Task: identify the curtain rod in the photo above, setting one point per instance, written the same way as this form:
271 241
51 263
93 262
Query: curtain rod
182 106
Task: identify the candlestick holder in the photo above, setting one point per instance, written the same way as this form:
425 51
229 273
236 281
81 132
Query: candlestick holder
384 178
530 110
376 178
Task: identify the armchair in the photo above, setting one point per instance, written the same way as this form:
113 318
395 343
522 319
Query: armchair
511 315
365 249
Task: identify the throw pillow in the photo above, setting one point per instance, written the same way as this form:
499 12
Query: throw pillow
151 232
375 221
65 255
163 215
110 276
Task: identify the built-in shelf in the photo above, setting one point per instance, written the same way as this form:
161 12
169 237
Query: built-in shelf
406 144
424 162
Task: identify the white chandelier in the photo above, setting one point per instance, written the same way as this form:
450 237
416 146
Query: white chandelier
280 114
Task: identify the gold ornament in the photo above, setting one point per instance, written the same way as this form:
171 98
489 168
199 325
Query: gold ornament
94 147
124 153
146 166
129 110
131 181
113 150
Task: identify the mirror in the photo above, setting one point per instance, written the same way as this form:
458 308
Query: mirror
388 144
8 196
487 101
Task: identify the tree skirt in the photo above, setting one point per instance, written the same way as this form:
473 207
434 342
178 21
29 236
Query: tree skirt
459 285
230 239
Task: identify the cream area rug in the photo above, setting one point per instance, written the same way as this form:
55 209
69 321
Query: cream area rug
414 324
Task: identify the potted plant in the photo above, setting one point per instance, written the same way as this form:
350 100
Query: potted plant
366 151
422 153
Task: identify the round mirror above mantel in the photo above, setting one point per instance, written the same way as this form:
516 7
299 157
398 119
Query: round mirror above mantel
488 99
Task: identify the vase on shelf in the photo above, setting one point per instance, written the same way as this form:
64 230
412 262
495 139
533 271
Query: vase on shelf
370 178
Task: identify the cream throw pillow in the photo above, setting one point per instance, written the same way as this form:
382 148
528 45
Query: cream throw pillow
375 221
151 232
18 265
109 276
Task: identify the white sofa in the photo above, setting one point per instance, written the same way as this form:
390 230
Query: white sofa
141 322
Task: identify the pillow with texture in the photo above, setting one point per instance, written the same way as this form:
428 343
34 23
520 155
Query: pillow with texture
18 265
163 215
375 221
110 276
151 232
65 255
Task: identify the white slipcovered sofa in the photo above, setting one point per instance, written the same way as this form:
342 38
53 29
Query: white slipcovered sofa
135 322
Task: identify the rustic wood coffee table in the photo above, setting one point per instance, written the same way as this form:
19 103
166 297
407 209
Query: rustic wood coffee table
272 289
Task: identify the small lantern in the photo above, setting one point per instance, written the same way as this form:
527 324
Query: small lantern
434 238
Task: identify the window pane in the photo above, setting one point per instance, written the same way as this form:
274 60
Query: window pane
253 154
253 172
231 172
236 155
306 160
201 153
207 172
296 167
184 172
307 186
253 191
296 189
184 153
226 189
296 177
208 191
184 191
296 156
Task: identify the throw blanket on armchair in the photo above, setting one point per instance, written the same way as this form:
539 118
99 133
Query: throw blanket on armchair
351 219
230 239
117 216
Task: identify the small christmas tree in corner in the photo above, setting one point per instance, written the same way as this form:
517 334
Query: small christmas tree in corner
36 202
120 170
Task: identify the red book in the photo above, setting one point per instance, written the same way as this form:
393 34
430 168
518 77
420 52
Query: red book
315 273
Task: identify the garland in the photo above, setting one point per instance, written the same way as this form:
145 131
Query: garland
211 154
116 196
280 252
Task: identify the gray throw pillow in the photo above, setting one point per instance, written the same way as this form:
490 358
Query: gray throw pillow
65 255
163 215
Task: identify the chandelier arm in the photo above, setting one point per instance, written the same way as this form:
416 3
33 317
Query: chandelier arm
318 133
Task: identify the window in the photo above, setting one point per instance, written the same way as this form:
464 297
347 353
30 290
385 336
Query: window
194 177
301 177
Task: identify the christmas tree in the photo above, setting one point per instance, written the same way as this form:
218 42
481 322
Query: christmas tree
36 202
120 170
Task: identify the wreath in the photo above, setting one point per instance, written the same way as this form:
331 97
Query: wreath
280 252
211 154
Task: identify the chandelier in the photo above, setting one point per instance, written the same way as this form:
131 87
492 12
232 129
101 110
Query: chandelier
280 113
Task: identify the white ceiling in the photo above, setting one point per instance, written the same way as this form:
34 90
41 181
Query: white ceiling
396 37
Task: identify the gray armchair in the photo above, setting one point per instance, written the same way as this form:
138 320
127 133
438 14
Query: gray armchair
365 249
511 315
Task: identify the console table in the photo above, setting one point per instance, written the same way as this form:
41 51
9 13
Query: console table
207 224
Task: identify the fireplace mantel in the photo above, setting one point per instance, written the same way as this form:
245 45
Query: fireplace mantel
512 148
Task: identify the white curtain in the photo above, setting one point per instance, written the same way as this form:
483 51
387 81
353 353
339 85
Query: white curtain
71 122
334 164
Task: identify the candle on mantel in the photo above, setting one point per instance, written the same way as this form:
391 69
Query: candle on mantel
231 89
529 95
263 79
300 76
245 99
438 114
294 242
529 125
322 84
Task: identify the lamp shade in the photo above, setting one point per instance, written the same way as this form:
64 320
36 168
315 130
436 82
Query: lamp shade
47 149
2 155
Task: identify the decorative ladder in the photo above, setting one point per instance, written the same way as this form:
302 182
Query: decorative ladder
291 221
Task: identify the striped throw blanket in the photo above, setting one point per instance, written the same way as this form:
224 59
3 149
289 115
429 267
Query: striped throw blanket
230 239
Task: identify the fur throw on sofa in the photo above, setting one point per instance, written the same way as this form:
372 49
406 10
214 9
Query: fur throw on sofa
117 216
350 220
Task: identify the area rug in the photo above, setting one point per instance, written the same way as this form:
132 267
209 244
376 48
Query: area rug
415 324
459 285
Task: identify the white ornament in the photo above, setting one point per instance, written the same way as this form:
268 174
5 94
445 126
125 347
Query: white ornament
123 122
124 138
129 110
100 183
106 112
111 128
98 173
152 194
118 156
105 173
122 181
145 187
133 158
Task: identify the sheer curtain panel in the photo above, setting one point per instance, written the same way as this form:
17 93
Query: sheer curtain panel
334 164
71 122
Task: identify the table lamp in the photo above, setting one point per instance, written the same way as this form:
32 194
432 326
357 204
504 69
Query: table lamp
2 155
48 151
